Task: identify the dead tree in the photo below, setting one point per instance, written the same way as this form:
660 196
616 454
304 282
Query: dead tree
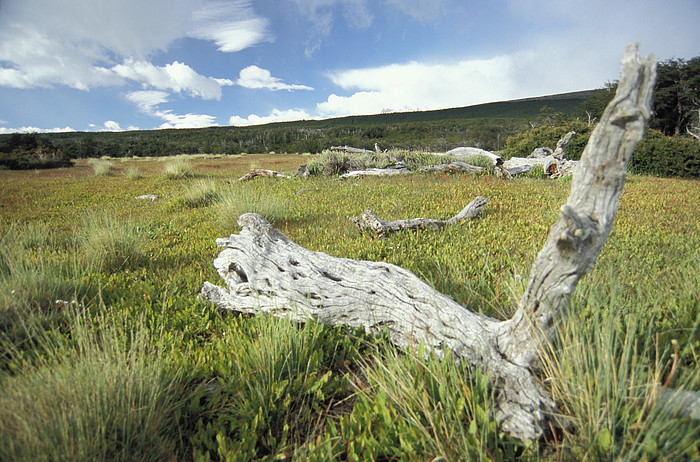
265 272
369 221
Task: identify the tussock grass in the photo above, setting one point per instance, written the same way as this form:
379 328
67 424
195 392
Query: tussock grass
237 199
101 167
107 243
331 163
177 167
133 173
201 193
107 394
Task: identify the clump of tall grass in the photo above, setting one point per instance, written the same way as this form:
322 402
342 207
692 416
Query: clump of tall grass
237 199
278 381
410 408
101 167
105 394
133 173
200 193
608 372
108 243
178 167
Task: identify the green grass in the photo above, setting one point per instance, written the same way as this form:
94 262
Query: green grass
203 384
105 394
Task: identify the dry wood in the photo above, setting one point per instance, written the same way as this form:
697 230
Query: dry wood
262 173
369 221
265 272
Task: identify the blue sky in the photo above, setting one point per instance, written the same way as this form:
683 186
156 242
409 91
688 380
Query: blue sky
95 65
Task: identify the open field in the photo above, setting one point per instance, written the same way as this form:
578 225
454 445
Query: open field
140 368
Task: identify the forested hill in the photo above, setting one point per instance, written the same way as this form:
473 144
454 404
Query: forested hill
485 125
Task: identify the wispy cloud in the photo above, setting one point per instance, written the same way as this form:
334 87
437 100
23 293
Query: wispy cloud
275 116
255 77
148 101
232 25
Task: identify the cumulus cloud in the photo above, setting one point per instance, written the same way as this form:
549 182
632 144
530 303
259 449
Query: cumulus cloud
419 86
177 77
275 116
5 130
257 78
76 43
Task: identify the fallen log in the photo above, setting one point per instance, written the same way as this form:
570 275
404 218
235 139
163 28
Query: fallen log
369 221
466 153
262 173
265 272
453 167
397 169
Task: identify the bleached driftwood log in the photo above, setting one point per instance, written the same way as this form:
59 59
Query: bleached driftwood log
351 150
265 272
453 167
555 163
466 153
369 221
262 173
397 169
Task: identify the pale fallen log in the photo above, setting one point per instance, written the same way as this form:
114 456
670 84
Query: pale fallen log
369 221
397 169
351 150
265 272
466 153
262 173
453 167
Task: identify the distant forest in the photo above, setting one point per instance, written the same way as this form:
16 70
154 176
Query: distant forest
486 126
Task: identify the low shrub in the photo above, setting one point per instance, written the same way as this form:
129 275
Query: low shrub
522 144
661 155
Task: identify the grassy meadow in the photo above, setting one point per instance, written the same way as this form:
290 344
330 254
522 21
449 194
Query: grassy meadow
106 353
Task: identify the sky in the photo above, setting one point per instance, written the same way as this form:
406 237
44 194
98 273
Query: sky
115 65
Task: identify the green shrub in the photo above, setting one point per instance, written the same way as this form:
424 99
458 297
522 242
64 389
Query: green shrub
522 144
661 155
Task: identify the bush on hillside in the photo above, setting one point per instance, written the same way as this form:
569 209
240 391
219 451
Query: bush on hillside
522 144
661 155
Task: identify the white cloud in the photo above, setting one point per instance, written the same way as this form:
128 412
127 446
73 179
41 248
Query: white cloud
148 102
4 130
257 78
185 120
420 86
177 77
275 116
75 43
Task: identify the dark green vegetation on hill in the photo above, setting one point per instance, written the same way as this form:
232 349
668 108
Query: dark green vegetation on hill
130 365
486 126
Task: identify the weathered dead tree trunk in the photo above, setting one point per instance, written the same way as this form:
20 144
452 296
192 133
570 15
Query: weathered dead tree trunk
369 221
265 272
262 173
